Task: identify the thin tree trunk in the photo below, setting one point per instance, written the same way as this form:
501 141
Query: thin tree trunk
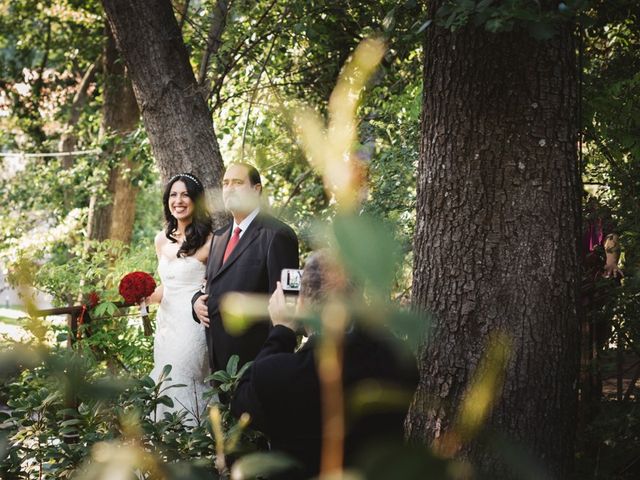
214 39
496 237
68 139
112 217
175 115
184 12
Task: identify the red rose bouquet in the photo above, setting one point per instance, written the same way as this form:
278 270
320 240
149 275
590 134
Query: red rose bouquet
134 288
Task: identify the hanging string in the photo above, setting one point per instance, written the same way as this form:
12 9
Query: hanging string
51 154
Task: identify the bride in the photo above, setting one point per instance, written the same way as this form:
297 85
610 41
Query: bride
182 249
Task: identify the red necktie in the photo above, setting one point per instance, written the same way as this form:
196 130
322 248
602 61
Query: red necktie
233 241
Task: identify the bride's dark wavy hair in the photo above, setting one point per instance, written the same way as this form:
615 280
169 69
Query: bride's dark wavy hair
201 224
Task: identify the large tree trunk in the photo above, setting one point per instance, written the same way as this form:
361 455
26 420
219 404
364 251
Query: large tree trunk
175 114
496 236
112 217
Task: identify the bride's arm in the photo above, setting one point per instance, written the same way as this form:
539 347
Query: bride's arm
156 296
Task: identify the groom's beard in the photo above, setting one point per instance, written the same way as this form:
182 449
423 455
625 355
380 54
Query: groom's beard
241 203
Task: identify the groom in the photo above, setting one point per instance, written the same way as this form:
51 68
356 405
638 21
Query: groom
246 256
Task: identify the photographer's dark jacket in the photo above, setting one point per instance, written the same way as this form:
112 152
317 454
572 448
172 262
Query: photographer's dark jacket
281 392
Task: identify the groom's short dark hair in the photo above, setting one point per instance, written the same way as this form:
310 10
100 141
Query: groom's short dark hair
254 175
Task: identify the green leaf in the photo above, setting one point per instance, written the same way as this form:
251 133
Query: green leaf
147 382
424 26
414 327
105 309
265 465
232 365
369 251
166 370
221 376
70 422
165 400
389 20
243 369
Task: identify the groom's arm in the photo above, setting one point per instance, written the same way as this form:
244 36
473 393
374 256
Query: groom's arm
194 299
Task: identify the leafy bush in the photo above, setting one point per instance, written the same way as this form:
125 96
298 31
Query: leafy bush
67 406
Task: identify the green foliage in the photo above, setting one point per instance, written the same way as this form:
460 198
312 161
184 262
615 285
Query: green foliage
611 171
392 122
43 46
265 465
227 379
65 404
612 147
540 19
608 447
300 60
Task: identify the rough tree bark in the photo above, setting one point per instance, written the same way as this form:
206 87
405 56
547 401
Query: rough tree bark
495 242
174 112
113 216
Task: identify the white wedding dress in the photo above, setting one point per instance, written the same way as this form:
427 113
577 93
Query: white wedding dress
180 341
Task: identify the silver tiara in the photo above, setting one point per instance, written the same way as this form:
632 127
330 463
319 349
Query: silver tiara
190 177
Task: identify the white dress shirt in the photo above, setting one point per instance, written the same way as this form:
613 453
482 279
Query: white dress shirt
244 224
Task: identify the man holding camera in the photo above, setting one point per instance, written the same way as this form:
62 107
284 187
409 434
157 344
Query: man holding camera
281 389
247 255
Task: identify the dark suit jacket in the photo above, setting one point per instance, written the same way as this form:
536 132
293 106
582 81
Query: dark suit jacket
267 246
281 392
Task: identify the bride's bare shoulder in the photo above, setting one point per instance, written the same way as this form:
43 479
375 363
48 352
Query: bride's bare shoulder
160 240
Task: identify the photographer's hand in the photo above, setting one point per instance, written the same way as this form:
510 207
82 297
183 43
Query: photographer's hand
278 309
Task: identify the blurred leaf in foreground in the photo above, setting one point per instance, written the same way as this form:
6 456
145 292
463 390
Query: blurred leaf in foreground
266 465
368 250
482 394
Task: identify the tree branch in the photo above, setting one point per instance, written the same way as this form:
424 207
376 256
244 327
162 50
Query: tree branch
37 87
68 140
236 53
199 31
80 97
222 100
296 190
214 38
255 92
183 16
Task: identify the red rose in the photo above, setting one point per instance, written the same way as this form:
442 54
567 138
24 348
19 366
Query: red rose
135 286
